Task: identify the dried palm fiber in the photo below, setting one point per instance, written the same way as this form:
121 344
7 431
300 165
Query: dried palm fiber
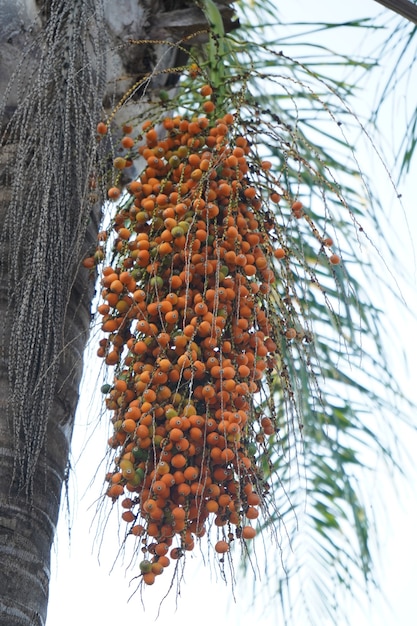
78 61
52 143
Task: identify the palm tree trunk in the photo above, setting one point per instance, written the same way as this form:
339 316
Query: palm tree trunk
41 124
58 68
402 7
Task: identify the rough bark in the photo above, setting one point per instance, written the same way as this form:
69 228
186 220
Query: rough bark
402 7
28 517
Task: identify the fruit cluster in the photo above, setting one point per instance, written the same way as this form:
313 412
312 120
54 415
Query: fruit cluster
186 309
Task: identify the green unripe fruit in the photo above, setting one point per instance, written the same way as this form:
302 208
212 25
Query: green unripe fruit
156 281
182 151
185 227
174 161
137 453
142 217
145 566
177 231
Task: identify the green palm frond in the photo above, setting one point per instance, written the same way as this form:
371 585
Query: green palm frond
344 390
400 49
388 54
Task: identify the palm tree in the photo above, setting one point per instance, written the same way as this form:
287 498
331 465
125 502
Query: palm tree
61 63
64 67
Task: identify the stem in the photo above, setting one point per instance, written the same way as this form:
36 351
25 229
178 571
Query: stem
216 47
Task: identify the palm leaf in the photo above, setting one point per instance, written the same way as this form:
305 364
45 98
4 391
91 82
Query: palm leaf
341 378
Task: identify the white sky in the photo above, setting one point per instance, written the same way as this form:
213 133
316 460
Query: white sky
83 592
